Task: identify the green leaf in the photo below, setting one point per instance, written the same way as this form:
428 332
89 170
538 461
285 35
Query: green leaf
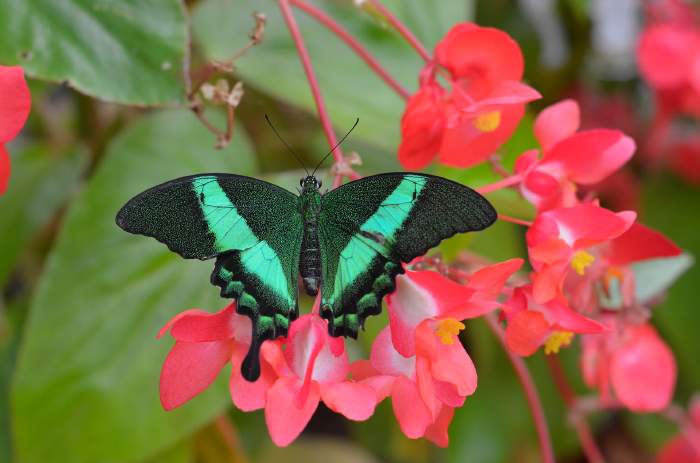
350 88
40 184
654 276
126 51
87 374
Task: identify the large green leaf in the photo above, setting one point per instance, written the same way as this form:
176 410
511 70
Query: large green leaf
40 184
87 374
350 88
126 51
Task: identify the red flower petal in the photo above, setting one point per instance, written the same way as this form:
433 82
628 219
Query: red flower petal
590 156
640 243
643 371
556 122
465 145
422 127
473 52
285 417
410 410
197 326
189 369
526 332
437 431
15 102
665 54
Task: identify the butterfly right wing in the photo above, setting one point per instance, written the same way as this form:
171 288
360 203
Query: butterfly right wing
254 230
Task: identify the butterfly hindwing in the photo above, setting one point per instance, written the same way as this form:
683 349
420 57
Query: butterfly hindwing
368 227
254 230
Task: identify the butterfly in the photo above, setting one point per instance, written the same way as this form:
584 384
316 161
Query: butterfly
349 243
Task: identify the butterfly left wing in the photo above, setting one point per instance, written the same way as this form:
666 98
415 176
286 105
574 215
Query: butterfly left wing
368 227
254 230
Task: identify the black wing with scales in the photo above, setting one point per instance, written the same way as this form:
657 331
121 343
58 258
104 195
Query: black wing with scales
254 230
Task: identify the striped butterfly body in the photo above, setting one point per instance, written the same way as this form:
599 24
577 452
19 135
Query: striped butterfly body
349 243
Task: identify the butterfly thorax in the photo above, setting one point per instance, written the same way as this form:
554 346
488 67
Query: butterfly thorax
310 257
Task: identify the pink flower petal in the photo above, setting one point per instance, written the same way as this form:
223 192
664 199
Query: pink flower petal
437 431
355 401
410 410
15 102
246 395
189 369
195 326
387 360
422 126
589 157
285 417
453 365
556 122
643 371
488 281
364 372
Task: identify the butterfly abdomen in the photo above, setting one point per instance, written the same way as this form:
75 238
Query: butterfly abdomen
310 258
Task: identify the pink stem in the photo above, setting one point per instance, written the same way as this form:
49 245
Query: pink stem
533 399
353 43
499 185
588 444
402 29
507 218
311 76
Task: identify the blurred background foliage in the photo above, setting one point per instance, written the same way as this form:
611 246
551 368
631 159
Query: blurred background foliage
82 301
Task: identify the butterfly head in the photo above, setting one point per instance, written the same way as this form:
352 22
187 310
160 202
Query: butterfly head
310 183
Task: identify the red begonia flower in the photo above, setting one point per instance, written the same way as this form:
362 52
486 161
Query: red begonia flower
15 102
558 241
481 109
204 344
570 158
422 295
531 325
313 367
630 363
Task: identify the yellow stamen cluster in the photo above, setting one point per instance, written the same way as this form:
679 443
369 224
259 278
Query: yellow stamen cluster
488 122
557 340
581 260
447 329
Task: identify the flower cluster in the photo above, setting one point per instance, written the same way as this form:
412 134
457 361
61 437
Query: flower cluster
14 110
669 61
582 280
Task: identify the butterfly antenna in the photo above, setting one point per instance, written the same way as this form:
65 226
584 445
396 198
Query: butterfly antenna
289 148
336 145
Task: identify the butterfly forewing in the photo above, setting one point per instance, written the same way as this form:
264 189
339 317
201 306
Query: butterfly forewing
368 227
254 230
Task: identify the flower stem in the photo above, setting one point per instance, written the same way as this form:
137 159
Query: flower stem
353 43
507 218
401 29
533 399
311 76
499 185
588 444
230 437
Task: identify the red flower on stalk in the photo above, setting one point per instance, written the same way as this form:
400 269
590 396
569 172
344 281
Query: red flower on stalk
630 363
559 240
418 360
570 157
551 324
481 109
15 102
